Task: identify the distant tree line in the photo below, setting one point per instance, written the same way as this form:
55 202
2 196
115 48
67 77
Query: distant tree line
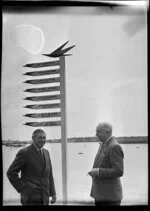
122 140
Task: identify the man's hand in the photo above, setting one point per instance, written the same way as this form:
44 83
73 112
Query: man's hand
94 172
53 199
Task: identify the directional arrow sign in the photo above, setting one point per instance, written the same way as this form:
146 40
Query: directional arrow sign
43 106
42 64
43 81
44 89
43 124
43 72
42 98
43 115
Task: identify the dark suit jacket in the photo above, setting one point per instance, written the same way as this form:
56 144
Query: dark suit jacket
35 179
107 186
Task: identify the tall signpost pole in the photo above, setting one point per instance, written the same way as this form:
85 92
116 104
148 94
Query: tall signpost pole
61 79
63 128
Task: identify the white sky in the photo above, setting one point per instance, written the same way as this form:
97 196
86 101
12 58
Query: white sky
106 77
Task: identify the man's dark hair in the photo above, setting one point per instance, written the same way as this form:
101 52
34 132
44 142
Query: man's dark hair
35 132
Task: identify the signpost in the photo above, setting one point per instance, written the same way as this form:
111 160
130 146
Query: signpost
43 81
43 64
63 128
43 72
43 124
43 115
43 106
60 54
42 98
44 89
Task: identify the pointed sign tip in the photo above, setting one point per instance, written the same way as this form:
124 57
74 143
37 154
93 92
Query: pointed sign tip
45 54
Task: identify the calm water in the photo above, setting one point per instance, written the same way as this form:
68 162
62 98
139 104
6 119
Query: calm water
80 161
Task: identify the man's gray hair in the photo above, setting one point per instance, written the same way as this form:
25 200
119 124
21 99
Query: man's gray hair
35 132
106 126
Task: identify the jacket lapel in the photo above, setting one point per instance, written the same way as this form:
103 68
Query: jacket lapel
35 154
46 159
98 155
101 152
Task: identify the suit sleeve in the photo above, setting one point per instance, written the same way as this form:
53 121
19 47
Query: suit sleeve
52 190
116 161
14 169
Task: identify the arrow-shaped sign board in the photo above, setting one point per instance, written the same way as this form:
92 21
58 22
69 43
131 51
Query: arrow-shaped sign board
42 98
43 115
44 89
42 64
43 124
43 106
43 81
43 72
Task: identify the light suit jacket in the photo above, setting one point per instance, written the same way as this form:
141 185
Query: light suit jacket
35 178
109 159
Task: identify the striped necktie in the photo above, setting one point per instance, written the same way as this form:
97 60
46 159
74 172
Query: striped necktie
41 155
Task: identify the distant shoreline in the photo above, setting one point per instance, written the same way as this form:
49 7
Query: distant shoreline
121 140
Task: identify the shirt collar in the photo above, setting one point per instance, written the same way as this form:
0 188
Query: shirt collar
107 140
37 147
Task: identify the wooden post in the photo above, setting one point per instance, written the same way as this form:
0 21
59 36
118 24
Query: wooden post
63 128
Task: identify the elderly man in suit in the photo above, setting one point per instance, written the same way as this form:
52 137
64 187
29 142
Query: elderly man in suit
36 182
107 169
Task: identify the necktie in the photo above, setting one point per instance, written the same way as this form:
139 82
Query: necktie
41 155
42 159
